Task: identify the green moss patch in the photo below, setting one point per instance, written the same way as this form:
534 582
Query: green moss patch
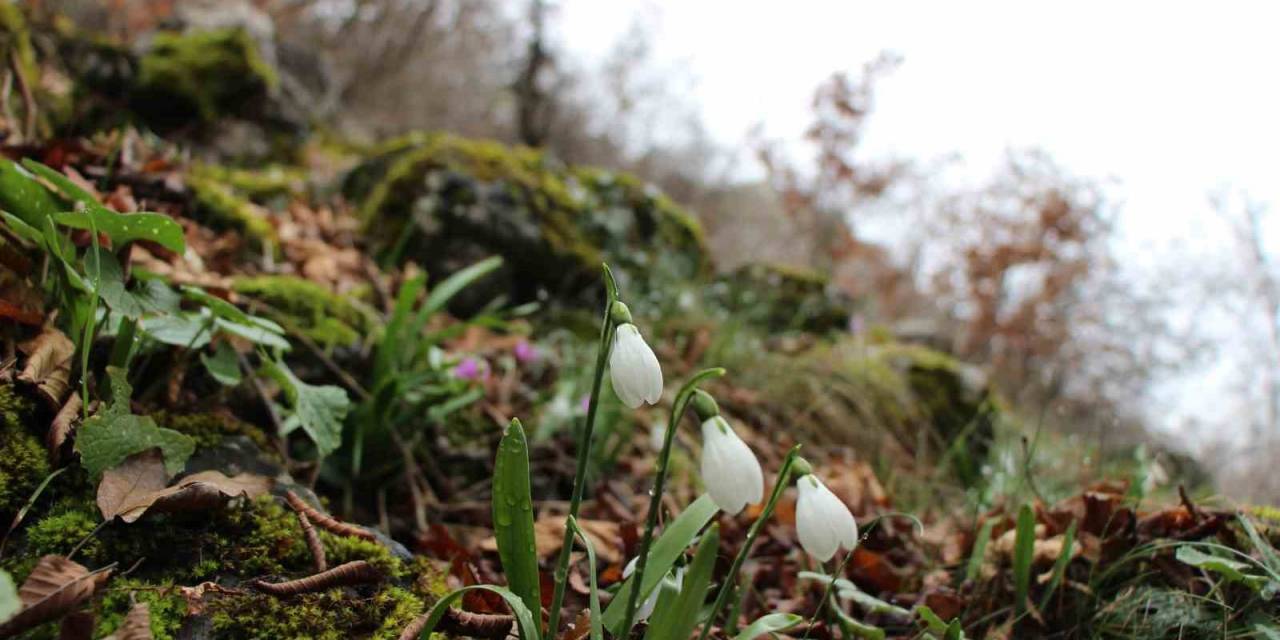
201 75
306 308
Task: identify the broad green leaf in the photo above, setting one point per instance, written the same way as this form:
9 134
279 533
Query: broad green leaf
191 330
1023 552
597 629
1060 565
114 433
23 196
124 228
662 555
223 365
677 621
317 409
256 332
769 624
1233 570
68 189
104 273
931 620
9 602
220 308
513 516
525 625
1270 632
23 230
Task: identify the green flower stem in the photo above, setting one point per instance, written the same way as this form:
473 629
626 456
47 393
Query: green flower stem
726 588
607 328
826 592
659 483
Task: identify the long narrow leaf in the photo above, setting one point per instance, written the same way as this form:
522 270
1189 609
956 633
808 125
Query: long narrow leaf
678 621
1060 565
451 286
769 624
524 618
979 550
597 628
662 555
1023 550
513 516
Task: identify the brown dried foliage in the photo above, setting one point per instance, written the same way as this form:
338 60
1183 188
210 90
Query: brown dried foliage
56 586
346 575
325 521
48 365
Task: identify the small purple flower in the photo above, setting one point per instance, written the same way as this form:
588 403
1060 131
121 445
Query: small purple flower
584 404
526 352
857 324
472 369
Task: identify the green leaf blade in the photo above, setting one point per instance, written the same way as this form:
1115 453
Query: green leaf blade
513 516
113 434
662 555
677 621
1023 552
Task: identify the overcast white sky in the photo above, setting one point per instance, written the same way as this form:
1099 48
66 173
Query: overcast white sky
1171 100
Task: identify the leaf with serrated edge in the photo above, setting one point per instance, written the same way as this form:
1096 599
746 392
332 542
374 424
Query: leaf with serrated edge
113 434
317 410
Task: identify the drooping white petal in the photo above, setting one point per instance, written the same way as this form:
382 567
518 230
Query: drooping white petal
730 470
823 523
646 608
633 368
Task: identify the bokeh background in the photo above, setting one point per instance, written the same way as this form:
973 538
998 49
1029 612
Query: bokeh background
1076 198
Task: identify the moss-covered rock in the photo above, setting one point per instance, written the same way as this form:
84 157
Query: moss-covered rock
446 202
219 205
201 76
210 429
24 463
781 298
306 308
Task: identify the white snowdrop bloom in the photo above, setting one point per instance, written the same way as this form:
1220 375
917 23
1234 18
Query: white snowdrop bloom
823 522
729 469
633 368
646 608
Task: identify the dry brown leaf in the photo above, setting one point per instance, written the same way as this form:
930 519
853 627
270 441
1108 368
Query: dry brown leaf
55 586
136 481
48 365
77 626
549 535
136 625
137 487
195 596
63 426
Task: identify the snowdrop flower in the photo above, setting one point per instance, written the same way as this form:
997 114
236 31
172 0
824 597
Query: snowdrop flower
729 469
646 608
633 368
823 522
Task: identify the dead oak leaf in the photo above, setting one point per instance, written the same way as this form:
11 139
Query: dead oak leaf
55 586
136 625
63 426
137 487
48 365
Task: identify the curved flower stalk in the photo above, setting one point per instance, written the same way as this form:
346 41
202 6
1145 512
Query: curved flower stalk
792 460
730 471
659 484
823 522
614 313
633 367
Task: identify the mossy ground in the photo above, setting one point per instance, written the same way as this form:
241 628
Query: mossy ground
306 308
